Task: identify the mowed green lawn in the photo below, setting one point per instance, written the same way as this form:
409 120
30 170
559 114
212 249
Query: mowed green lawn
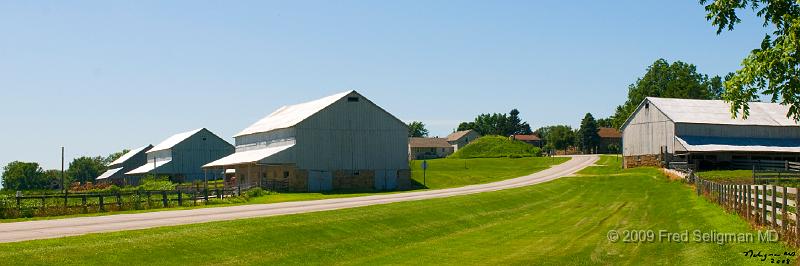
565 221
447 173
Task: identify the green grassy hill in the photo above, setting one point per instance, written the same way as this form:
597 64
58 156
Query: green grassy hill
565 221
446 173
496 146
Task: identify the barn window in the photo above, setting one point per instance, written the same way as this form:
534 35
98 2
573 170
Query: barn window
356 173
646 105
352 99
285 174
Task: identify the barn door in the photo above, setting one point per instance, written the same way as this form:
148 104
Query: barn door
380 180
391 180
319 181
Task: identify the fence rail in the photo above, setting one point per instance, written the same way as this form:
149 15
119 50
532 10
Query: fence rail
767 205
30 205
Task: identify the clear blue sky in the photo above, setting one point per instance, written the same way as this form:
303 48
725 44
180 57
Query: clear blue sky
98 77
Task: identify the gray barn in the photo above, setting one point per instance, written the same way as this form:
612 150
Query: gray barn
125 163
341 142
703 132
182 155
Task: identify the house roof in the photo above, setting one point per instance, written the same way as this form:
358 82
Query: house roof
527 137
174 140
717 144
289 116
458 135
428 143
719 112
130 154
609 132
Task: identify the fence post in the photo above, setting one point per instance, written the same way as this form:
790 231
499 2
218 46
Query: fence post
797 215
119 201
148 200
102 208
747 203
83 203
164 198
772 204
180 198
784 212
205 196
757 208
764 204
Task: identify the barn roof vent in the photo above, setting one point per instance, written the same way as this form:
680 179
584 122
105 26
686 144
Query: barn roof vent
352 99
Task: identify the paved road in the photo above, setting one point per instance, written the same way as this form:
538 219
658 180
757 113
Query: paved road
21 231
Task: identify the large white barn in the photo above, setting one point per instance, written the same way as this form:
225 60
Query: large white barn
342 142
703 132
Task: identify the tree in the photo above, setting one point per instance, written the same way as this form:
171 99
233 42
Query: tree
23 176
86 169
662 79
560 137
417 129
498 124
773 68
588 139
52 178
605 122
114 156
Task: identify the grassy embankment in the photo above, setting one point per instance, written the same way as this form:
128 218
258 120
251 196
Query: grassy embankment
565 221
495 147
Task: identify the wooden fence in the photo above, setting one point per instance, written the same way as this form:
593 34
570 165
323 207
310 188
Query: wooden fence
29 205
766 205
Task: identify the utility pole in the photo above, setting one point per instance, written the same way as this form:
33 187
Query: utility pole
63 187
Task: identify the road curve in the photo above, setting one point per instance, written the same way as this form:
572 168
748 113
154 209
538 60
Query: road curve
22 231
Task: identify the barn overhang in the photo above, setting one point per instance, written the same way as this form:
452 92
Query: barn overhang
691 144
109 173
149 168
249 156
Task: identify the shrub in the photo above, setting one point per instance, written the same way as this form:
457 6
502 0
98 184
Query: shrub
256 192
156 183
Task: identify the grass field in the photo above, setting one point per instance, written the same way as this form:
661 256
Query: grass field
565 221
496 146
446 173
728 176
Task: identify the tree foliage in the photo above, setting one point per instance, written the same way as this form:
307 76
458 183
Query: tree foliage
114 156
587 137
417 129
86 169
662 79
498 124
773 68
24 176
558 137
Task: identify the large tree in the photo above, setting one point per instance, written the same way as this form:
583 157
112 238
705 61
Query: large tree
559 137
662 79
23 176
498 124
417 129
587 137
86 169
772 69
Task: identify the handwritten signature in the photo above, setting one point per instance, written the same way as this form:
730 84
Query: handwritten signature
774 258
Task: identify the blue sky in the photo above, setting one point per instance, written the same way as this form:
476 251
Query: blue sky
98 77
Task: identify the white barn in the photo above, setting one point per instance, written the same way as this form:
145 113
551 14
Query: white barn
340 142
703 132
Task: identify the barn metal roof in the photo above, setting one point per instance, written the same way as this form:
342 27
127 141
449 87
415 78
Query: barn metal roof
174 140
289 116
250 156
109 173
719 112
716 144
130 154
146 168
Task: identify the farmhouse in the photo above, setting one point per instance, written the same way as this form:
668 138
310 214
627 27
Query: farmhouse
429 148
343 141
610 140
182 155
460 139
127 162
702 132
534 140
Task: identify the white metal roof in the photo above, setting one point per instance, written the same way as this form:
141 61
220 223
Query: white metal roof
130 154
174 140
146 168
250 156
289 116
718 144
109 173
719 112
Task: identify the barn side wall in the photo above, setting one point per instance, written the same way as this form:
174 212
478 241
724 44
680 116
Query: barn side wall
648 133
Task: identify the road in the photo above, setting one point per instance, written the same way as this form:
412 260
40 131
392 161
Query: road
22 231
